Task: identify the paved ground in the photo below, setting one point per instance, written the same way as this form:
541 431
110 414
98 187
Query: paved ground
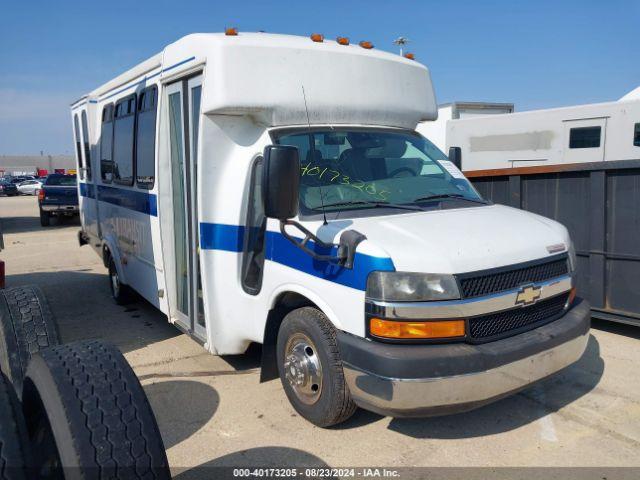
213 411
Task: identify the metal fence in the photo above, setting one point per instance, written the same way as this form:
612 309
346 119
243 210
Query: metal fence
600 205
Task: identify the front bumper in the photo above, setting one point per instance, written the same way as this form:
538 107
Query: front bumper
428 380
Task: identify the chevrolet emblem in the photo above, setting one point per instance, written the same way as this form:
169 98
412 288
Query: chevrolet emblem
528 295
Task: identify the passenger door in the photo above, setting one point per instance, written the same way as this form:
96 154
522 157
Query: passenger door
86 179
182 100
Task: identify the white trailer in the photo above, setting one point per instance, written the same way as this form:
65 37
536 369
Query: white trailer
580 134
272 189
579 165
436 130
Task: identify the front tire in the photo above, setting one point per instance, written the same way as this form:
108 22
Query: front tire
310 368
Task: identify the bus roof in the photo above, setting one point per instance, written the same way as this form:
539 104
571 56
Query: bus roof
263 75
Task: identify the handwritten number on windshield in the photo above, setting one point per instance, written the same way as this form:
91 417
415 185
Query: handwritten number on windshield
334 176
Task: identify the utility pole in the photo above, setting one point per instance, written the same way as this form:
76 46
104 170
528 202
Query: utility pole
401 42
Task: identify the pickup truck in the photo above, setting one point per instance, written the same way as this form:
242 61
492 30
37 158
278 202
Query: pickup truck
7 188
58 197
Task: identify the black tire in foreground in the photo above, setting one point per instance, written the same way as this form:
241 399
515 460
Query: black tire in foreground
15 455
311 368
27 326
87 415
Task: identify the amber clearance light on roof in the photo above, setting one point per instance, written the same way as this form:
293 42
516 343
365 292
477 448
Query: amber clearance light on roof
366 44
416 330
231 31
317 37
342 40
410 56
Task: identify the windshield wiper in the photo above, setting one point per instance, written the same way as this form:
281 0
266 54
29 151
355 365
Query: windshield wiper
450 195
371 204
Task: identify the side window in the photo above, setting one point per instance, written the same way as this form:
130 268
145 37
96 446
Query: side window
76 133
584 137
85 141
106 144
123 134
146 138
636 135
254 237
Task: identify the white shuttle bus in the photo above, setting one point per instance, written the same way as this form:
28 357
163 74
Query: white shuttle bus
272 189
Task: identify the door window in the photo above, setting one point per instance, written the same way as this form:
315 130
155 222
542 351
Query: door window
253 248
180 236
85 141
76 133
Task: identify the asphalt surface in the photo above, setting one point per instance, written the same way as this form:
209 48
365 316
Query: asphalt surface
212 411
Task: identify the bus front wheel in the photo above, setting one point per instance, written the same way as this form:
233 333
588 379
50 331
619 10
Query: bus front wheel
310 368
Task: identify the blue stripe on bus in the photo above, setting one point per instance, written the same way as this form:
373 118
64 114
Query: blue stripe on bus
135 200
88 190
215 236
218 236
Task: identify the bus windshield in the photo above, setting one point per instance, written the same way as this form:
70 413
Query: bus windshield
360 168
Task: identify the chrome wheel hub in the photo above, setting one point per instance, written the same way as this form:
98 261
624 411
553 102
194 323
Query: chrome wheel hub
302 368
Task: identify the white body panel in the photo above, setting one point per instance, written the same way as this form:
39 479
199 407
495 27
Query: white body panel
250 84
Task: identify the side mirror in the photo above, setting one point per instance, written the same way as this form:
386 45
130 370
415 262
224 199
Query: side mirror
281 181
455 156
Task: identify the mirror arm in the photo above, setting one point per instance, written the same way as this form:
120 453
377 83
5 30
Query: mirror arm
302 245
349 241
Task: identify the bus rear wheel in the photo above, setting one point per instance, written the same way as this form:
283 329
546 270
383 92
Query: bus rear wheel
120 292
310 368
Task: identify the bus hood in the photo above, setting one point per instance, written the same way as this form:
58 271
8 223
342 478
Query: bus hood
458 240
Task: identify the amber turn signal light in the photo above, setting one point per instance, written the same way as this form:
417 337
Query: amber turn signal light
317 37
416 330
231 32
572 296
342 40
366 44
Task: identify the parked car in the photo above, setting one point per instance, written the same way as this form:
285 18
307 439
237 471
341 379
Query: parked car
57 197
22 178
29 187
7 188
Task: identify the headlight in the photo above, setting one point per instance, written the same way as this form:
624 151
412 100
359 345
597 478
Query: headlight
411 287
573 261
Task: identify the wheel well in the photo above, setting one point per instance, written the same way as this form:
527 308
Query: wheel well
285 303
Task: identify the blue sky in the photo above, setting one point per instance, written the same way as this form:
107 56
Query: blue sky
536 54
